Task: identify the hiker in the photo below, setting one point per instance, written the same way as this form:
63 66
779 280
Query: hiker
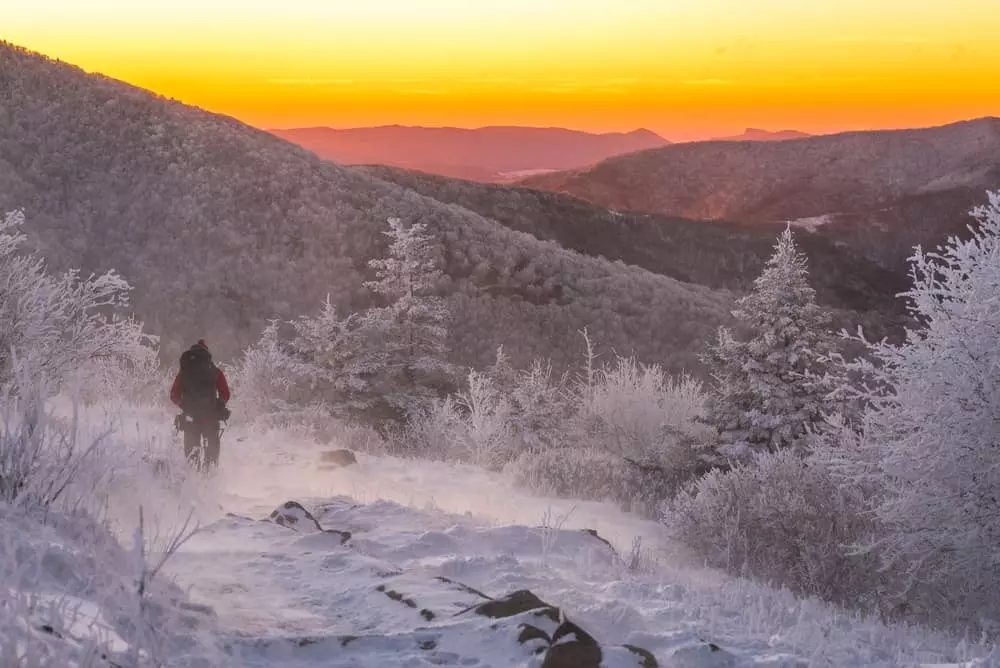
201 392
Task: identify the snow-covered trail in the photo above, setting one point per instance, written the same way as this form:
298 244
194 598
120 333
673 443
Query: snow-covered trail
289 599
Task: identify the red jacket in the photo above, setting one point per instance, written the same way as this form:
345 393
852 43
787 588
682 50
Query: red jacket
220 384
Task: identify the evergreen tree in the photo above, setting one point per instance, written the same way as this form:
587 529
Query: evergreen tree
410 331
767 388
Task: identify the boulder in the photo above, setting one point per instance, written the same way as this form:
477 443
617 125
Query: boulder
337 458
561 642
572 647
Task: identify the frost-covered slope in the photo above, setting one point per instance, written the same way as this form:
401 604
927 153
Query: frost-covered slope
287 598
428 575
221 227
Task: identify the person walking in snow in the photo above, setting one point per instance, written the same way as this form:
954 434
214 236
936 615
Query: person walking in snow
201 391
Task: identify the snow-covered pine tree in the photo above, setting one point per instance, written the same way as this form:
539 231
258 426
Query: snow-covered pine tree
932 431
769 388
410 330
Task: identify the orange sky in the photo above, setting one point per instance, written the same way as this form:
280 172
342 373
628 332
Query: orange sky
684 68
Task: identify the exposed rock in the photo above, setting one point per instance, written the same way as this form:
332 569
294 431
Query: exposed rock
593 532
572 647
645 656
293 515
515 603
344 535
338 458
396 596
567 645
462 587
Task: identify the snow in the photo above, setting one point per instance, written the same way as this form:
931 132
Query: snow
429 539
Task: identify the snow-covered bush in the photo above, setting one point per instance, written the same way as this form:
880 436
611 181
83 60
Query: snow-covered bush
930 436
52 326
646 419
580 473
72 596
784 519
769 389
511 411
272 388
486 420
40 458
438 433
627 433
141 379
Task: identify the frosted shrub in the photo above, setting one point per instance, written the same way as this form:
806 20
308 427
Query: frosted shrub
504 413
568 472
783 519
485 430
140 379
52 325
648 421
438 432
273 388
39 458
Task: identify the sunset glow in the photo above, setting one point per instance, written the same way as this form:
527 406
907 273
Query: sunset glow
683 68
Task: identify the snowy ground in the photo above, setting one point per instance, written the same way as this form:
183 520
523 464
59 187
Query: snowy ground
421 530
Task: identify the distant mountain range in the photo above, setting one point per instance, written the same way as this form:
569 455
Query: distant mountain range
492 154
880 192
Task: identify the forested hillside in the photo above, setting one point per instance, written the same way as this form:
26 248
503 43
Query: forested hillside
879 192
220 227
721 255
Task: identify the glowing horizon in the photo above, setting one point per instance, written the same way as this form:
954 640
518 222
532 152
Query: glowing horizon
683 68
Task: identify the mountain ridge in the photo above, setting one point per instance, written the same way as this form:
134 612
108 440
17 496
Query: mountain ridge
758 134
493 153
864 184
221 227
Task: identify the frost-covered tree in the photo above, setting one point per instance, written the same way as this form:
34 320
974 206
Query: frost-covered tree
768 388
932 431
407 336
377 366
55 326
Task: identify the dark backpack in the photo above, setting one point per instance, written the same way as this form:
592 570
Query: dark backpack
198 379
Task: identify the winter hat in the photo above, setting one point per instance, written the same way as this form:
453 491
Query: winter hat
200 344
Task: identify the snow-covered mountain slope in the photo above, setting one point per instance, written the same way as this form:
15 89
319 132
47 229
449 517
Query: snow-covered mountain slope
221 227
424 533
